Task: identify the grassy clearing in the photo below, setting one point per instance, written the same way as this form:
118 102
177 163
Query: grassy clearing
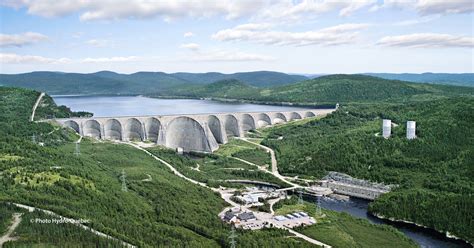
341 230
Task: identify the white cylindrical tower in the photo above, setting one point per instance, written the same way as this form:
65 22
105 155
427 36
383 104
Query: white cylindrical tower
386 128
411 129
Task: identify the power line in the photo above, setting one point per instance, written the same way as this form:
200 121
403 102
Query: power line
77 152
232 237
124 183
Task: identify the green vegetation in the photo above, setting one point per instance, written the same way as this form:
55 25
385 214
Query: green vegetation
342 230
214 169
461 79
38 235
244 150
434 172
158 209
107 82
325 90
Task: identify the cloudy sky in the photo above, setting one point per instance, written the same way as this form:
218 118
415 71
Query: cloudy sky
298 36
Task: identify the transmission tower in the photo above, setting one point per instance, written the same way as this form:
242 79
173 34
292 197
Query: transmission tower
77 152
124 183
232 237
300 198
33 138
318 205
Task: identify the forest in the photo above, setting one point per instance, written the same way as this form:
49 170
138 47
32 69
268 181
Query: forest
434 172
321 91
44 172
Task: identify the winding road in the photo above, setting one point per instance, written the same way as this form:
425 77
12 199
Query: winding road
32 118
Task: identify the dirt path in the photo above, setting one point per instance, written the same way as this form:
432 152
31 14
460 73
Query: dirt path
32 118
8 235
74 222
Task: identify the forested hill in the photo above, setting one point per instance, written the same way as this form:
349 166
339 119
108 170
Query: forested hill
325 90
107 82
461 79
434 171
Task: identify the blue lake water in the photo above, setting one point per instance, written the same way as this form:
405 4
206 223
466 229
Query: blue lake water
103 106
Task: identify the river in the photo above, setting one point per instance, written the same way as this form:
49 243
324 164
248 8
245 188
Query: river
426 238
105 106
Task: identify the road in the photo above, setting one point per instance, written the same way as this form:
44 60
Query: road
32 118
226 194
8 235
274 163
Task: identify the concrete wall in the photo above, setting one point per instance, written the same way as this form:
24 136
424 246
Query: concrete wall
200 132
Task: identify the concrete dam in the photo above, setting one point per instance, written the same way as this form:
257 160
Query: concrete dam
196 132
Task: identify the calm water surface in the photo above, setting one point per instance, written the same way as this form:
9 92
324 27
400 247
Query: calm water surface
104 106
426 238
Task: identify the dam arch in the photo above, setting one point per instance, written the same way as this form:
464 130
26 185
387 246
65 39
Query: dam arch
231 126
248 122
263 120
278 118
152 128
73 125
294 116
309 114
187 133
215 126
133 130
113 129
91 128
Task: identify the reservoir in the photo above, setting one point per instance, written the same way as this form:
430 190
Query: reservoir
105 106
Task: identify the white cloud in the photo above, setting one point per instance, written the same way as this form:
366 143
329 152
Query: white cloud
294 10
188 34
190 46
430 7
427 40
110 59
336 35
417 21
23 39
139 9
11 58
228 56
97 43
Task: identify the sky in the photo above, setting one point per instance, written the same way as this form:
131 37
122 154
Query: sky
297 36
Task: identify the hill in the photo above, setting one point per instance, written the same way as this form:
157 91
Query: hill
330 89
107 82
461 79
434 172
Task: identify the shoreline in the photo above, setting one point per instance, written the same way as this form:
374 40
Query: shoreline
446 234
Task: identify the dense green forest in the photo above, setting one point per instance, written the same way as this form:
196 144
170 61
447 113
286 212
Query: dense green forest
325 90
434 172
107 82
461 79
45 173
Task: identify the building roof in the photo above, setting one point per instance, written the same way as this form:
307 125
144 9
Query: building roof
228 216
246 216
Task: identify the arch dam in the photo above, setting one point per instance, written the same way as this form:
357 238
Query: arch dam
193 132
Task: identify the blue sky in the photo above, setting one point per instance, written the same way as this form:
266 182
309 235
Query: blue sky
313 36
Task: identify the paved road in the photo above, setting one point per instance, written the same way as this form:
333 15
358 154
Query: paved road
8 235
32 118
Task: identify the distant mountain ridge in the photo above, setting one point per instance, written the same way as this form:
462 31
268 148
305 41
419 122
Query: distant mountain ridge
461 79
108 82
331 89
